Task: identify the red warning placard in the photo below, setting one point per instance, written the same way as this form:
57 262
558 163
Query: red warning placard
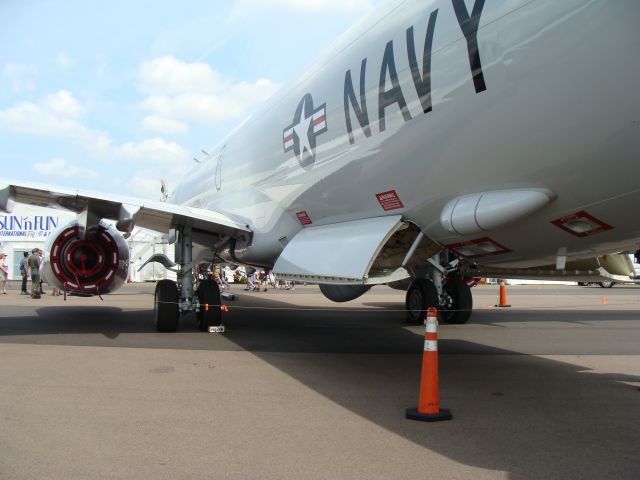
389 200
304 218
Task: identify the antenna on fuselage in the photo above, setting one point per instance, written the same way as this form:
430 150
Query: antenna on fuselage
164 190
206 155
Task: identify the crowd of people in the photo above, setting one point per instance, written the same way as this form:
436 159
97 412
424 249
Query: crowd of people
255 281
29 270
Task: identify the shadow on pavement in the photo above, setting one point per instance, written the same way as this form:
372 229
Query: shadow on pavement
69 320
529 416
526 415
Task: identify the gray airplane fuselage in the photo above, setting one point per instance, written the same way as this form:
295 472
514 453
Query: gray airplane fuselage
426 102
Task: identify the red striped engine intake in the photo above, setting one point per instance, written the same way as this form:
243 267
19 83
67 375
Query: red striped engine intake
96 264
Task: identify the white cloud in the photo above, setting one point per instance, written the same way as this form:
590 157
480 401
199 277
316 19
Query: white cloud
180 93
20 77
55 115
59 114
154 123
145 186
62 104
167 75
151 160
62 60
58 167
155 151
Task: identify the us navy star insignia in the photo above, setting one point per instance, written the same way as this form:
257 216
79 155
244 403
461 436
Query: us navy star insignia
301 135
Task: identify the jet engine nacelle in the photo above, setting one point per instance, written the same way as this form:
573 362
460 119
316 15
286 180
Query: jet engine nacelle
91 262
343 293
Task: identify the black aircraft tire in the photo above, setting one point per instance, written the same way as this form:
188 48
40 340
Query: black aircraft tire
166 306
459 302
421 295
208 294
607 284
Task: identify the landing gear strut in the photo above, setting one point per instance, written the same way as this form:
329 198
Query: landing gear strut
175 299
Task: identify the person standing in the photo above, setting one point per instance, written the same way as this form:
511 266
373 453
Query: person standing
4 272
251 278
41 255
264 279
225 282
33 262
24 273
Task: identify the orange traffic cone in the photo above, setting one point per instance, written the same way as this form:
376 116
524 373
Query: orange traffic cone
429 400
502 302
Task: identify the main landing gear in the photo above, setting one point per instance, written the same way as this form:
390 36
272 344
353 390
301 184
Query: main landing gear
422 295
208 313
173 300
447 292
458 301
166 306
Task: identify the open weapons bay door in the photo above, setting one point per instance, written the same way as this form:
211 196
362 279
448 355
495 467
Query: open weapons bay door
368 251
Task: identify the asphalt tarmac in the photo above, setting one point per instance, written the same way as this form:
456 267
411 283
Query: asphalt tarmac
300 387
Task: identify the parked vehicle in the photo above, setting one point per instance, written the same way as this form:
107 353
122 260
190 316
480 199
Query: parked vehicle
602 284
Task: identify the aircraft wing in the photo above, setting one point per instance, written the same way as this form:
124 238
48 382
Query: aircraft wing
126 211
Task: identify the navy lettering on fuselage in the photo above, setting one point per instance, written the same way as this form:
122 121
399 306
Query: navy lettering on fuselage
393 94
469 26
422 82
360 109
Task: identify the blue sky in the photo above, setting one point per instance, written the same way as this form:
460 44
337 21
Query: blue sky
112 96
